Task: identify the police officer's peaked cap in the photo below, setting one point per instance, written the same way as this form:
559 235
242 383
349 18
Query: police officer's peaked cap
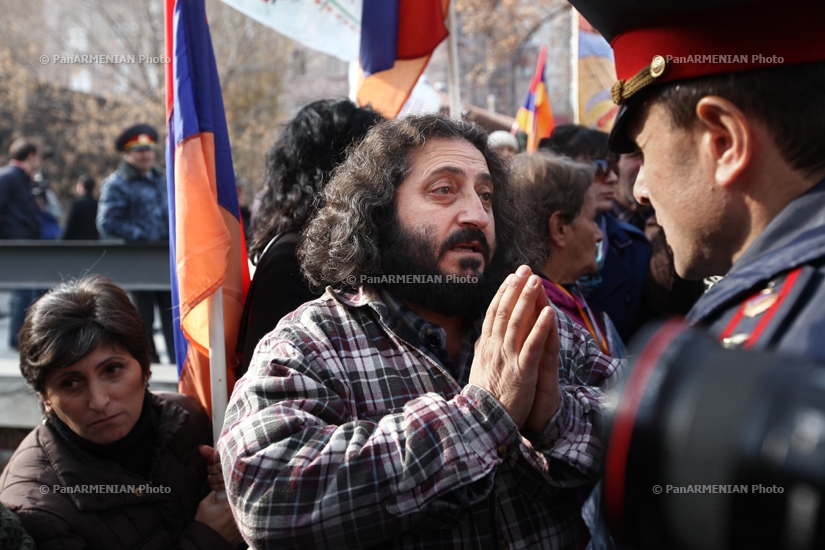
656 42
134 138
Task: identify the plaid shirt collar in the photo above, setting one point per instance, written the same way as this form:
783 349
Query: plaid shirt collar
405 323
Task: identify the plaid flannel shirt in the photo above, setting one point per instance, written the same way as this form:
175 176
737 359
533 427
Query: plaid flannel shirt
353 429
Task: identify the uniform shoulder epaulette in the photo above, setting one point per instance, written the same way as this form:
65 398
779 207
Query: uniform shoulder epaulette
755 313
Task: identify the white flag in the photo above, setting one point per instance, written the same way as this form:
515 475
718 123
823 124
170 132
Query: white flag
329 26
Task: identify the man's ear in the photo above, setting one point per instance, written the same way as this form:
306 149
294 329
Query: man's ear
558 229
726 139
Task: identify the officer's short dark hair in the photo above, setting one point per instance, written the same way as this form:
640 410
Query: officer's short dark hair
787 99
71 320
21 148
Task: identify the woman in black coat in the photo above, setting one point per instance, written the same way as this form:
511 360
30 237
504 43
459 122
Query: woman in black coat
80 225
297 168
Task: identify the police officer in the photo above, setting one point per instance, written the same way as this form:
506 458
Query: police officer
133 206
723 101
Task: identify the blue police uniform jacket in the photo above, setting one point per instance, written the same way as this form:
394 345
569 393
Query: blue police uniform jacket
133 206
774 295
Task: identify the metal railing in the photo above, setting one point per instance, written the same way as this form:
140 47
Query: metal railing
43 264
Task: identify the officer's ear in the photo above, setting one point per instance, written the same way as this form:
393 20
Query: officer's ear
726 138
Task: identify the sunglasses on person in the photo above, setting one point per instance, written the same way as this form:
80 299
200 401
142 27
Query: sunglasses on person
602 166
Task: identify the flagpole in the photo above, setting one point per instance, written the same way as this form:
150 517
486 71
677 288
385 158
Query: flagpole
452 55
217 361
574 63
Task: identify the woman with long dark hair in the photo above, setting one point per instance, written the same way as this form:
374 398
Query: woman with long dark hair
297 168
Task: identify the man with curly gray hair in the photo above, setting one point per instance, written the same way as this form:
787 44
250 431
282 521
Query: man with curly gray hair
393 412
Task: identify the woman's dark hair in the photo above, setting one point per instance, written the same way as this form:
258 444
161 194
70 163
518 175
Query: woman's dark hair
552 184
341 243
71 320
299 165
577 142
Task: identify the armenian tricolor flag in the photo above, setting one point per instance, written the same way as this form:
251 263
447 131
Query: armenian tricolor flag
208 254
535 116
597 73
392 40
397 40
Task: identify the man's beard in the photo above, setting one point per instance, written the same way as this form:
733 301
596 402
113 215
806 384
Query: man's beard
411 252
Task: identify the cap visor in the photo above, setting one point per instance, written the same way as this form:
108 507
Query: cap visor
618 142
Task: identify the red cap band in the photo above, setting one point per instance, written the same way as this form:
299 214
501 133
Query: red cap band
738 38
140 140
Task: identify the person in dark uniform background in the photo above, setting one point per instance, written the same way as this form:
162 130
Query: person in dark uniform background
80 225
724 102
133 206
